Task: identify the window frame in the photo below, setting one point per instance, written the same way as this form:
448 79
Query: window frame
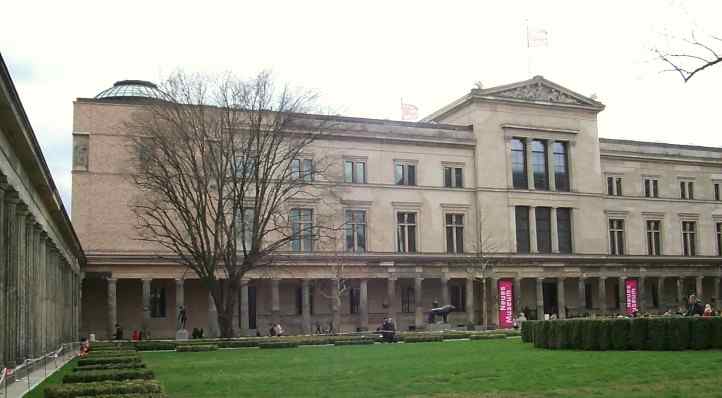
302 237
353 225
354 175
613 236
614 184
546 184
650 187
454 231
654 248
690 244
539 231
457 296
525 166
686 189
571 230
456 175
158 302
406 226
718 234
302 173
528 228
408 300
565 145
405 179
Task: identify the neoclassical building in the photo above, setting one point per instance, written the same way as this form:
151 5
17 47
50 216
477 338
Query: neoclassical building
40 255
504 201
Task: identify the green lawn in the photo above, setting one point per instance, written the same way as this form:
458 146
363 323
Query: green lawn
487 368
55 378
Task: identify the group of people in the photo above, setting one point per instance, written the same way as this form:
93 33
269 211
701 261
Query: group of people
695 307
276 330
387 330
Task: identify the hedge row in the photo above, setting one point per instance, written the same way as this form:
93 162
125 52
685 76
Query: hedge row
158 395
196 348
278 344
423 339
663 333
103 360
103 366
355 342
488 336
89 376
112 353
103 388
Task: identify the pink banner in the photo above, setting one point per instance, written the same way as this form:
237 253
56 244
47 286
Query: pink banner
506 306
631 290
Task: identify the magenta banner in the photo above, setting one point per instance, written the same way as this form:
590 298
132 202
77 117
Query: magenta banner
506 306
632 307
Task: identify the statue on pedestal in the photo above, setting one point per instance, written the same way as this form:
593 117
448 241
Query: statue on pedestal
440 311
181 332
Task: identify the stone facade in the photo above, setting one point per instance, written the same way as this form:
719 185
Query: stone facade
40 255
580 275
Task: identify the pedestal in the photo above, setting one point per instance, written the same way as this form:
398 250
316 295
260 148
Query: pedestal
181 334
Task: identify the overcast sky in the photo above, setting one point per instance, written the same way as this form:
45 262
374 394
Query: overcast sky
363 57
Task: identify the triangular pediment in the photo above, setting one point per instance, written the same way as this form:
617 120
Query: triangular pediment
539 90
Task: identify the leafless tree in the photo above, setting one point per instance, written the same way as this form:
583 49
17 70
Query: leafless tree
692 55
338 286
220 162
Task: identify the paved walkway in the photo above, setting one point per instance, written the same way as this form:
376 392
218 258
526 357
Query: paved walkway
21 386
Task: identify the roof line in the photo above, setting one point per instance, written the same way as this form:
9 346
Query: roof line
660 144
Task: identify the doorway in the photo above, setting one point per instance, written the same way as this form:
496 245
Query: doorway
550 298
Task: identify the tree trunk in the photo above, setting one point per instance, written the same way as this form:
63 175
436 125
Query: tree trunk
336 307
227 305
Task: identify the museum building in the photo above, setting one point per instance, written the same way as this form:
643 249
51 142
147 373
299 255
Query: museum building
505 200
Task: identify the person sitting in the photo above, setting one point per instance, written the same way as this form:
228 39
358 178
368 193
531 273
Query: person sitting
118 332
388 330
708 310
279 330
84 347
272 330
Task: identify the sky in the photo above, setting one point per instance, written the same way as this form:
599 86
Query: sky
363 57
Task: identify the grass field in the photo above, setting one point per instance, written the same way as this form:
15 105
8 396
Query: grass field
490 368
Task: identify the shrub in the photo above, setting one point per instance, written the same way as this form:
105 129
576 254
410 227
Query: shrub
97 361
487 336
278 344
604 334
526 331
196 348
111 353
111 374
158 395
423 338
638 334
717 332
679 333
103 388
455 335
619 333
155 345
131 365
702 333
657 334
355 342
238 344
590 331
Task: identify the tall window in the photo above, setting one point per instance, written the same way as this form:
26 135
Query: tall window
564 230
406 235
453 177
244 228
405 173
716 192
454 233
302 230
355 230
686 189
354 300
518 163
561 166
719 238
157 302
651 188
689 236
458 297
654 240
522 229
408 300
354 172
614 186
543 230
302 169
616 236
539 164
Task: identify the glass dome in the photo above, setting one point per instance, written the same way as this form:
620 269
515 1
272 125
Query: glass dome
131 89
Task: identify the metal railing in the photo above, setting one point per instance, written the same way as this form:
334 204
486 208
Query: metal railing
22 372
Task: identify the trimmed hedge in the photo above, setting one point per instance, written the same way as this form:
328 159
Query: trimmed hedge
354 342
238 344
155 346
90 376
111 353
103 366
456 335
662 333
422 339
103 388
196 348
487 336
159 395
98 361
278 344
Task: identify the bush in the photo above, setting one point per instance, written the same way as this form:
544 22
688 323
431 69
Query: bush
590 330
158 395
456 335
658 334
98 361
103 388
108 374
278 344
638 334
702 333
355 342
155 346
196 348
131 365
423 338
238 344
679 338
111 353
619 334
527 334
487 336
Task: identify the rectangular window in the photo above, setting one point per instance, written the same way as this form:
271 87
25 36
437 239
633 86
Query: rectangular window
299 300
616 236
455 233
686 190
518 163
244 228
302 230
245 166
408 300
543 230
651 188
564 230
406 235
618 186
719 238
354 300
356 231
302 169
588 296
614 186
539 164
458 297
405 173
716 192
453 177
689 238
157 302
561 166
354 172
522 229
654 240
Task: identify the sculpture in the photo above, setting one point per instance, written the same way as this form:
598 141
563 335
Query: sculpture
441 311
182 318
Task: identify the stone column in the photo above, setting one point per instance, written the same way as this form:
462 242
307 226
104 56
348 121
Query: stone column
363 305
214 329
540 298
700 292
245 317
554 229
550 165
112 308
561 299
21 215
275 301
418 301
391 296
717 292
533 247
622 291
470 301
445 289
642 294
305 305
484 305
529 167
581 295
179 299
517 297
680 292
660 292
146 305
603 295
495 301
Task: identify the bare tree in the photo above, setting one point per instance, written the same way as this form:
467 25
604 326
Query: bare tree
220 160
692 56
339 286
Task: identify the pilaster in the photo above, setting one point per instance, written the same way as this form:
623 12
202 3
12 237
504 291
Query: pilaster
112 307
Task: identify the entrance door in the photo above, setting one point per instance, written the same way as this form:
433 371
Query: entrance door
550 298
